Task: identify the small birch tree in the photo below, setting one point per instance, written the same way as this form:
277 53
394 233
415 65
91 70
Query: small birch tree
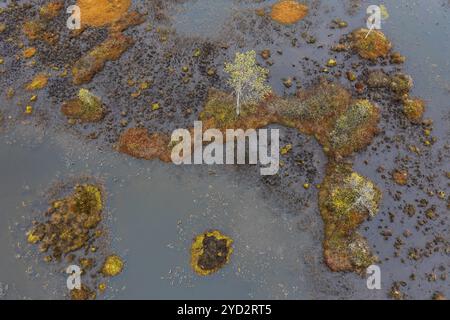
247 79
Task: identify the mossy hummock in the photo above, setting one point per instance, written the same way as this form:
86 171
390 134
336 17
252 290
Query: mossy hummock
85 108
210 251
346 199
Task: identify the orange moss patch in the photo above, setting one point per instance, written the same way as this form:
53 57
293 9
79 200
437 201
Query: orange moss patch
138 143
51 10
98 13
370 46
39 82
29 52
126 21
111 49
33 29
37 29
288 11
414 109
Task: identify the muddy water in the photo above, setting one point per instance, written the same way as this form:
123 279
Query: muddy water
154 210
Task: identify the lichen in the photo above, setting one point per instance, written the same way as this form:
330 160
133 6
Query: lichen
288 11
210 251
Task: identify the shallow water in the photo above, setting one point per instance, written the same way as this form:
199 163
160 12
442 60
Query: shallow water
155 209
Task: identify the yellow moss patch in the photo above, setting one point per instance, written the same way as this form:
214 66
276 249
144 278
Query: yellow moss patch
33 237
98 13
112 266
371 45
288 11
210 251
29 52
39 82
286 149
